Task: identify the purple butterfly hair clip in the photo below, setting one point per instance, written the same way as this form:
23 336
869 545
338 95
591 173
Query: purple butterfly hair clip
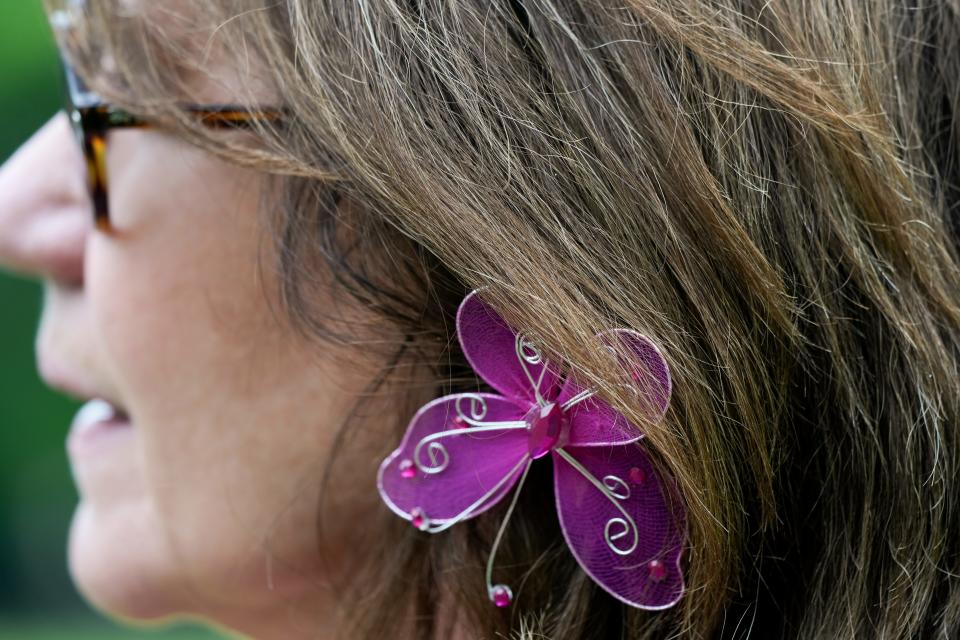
462 454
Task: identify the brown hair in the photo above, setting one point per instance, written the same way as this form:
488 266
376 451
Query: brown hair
768 190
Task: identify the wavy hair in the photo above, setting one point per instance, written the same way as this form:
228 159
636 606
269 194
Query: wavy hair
769 190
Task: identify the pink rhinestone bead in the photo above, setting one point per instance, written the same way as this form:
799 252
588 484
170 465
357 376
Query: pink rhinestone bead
658 570
501 595
637 475
459 422
419 519
407 468
546 426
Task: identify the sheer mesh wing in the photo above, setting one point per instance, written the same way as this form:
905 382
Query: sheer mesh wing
593 422
506 361
624 526
454 461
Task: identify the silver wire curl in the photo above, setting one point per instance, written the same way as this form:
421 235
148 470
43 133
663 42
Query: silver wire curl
529 355
611 539
617 483
626 522
478 408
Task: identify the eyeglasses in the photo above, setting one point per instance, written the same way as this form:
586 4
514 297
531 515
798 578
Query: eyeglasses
92 119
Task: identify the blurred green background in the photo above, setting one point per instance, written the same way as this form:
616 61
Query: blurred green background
37 496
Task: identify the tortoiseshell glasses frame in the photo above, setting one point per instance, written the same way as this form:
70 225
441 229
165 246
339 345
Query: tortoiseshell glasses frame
92 118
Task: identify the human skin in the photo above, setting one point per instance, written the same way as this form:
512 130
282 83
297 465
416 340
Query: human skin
207 505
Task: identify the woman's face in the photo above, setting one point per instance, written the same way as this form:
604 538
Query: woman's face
206 501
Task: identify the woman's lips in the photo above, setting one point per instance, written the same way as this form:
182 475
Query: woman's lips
95 426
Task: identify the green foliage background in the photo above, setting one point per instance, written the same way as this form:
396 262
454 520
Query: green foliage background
37 496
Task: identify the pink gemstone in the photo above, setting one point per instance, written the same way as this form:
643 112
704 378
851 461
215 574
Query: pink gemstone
546 426
459 422
637 475
658 570
501 595
419 519
407 468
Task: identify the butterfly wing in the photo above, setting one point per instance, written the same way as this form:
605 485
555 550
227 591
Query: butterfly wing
628 537
505 360
593 422
453 462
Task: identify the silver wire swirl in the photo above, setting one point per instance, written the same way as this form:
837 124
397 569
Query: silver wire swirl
528 355
617 483
439 457
437 453
629 527
527 351
612 538
478 408
624 493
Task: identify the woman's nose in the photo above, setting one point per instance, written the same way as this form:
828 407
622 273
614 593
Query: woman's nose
44 208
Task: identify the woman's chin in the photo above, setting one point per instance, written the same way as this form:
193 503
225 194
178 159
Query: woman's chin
119 563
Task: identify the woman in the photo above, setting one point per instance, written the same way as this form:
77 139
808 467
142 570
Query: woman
264 294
